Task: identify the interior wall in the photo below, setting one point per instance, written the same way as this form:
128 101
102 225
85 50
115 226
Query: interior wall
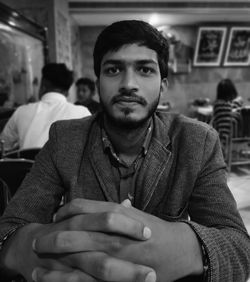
201 82
54 15
88 36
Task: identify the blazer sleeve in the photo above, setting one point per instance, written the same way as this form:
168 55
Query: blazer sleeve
215 218
40 193
52 175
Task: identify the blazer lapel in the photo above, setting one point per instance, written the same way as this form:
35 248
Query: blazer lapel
103 169
154 173
152 178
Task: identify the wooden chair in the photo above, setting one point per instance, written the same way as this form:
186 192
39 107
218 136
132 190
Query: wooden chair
4 195
29 153
239 146
13 171
3 150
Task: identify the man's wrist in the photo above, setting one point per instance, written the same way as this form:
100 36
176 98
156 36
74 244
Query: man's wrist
8 235
3 271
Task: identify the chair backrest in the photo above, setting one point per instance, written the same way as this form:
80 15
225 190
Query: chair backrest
14 154
4 195
29 153
5 114
3 121
1 148
245 113
13 171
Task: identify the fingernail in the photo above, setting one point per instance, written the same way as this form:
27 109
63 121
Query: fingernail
147 232
151 277
34 244
34 275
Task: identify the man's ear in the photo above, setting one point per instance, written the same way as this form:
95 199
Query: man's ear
164 85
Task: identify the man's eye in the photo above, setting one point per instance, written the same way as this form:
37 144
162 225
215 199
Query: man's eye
146 70
112 70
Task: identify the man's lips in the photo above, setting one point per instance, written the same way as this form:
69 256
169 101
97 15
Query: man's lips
128 99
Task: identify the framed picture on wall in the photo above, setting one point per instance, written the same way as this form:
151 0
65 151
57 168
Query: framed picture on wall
238 48
209 46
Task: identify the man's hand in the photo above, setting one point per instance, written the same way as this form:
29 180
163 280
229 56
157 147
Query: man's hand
119 238
76 248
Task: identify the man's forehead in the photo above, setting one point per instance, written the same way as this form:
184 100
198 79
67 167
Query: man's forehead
132 52
83 86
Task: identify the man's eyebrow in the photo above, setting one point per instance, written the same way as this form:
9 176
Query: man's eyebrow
112 62
141 62
146 61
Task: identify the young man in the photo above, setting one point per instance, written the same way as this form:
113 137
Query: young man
146 194
29 125
85 90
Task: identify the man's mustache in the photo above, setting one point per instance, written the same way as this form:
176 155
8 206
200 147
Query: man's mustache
128 96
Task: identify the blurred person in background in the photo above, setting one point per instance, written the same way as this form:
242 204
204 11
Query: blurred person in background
85 91
29 125
226 111
5 110
227 92
4 96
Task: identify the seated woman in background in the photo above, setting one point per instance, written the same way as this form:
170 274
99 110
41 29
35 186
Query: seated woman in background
226 112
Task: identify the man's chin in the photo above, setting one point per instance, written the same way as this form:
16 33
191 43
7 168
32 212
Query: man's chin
128 117
127 122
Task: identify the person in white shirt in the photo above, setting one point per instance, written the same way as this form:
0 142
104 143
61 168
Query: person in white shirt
29 125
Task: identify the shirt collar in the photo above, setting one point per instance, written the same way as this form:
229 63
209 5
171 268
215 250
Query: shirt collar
53 96
107 145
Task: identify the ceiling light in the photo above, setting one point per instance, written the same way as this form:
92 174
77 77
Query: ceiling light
154 19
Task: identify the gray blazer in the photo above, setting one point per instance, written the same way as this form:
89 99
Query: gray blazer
182 178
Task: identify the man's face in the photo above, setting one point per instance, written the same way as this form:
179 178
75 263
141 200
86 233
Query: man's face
130 85
83 93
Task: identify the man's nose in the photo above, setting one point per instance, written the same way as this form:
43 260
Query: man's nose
129 80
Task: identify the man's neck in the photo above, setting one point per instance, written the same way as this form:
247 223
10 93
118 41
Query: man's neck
126 142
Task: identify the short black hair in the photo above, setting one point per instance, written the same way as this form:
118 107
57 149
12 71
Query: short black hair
86 81
128 32
226 90
58 75
3 97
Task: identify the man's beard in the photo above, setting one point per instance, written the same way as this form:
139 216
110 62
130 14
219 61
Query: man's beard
126 122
